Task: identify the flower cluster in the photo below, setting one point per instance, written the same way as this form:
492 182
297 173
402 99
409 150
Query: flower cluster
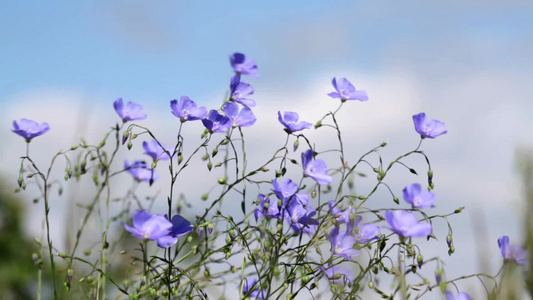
297 215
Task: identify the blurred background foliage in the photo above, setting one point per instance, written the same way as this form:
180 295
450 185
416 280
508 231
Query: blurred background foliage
18 273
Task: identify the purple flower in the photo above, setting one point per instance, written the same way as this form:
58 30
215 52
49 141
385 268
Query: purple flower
363 232
180 226
341 216
147 226
244 118
342 243
140 171
216 122
346 91
405 224
129 112
29 129
266 208
460 296
300 217
414 195
241 65
284 191
315 169
240 90
154 150
290 121
186 109
301 198
346 275
513 253
428 129
251 288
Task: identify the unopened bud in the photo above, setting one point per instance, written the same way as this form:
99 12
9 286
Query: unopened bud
295 145
221 180
318 124
396 200
130 145
451 250
74 147
209 166
204 196
420 260
449 240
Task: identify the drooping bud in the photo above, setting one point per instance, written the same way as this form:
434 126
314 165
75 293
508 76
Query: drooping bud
420 260
295 145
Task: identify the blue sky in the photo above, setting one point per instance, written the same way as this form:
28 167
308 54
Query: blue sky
467 63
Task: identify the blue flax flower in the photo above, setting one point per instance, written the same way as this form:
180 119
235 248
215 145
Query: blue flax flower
341 216
241 65
140 171
267 208
147 226
186 109
513 253
346 91
300 217
315 169
363 232
216 122
344 275
290 121
29 129
180 226
428 128
414 195
240 91
459 296
244 118
284 191
154 150
342 243
129 112
251 288
405 224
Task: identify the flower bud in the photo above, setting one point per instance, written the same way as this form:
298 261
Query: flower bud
451 250
449 240
295 145
20 181
130 145
204 196
318 124
74 147
396 200
209 166
383 144
420 260
221 180
180 158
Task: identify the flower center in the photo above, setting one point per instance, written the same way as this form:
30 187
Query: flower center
345 94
